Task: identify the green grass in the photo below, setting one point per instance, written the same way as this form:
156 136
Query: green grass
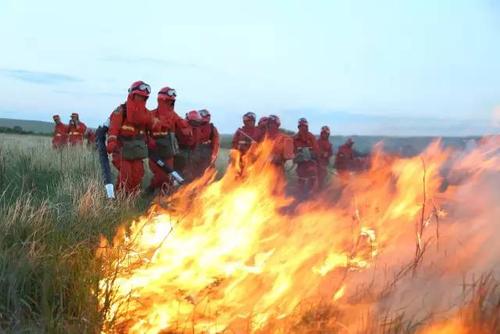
28 125
51 215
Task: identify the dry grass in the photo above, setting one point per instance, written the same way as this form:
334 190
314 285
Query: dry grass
52 211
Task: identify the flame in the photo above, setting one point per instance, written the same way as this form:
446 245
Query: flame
239 254
453 326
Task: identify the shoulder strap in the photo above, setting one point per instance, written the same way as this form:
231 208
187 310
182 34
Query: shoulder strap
211 131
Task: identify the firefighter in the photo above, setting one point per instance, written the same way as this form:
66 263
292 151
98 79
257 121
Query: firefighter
344 159
306 157
91 137
76 130
207 143
247 134
262 125
282 145
187 143
60 137
243 139
325 153
163 143
127 137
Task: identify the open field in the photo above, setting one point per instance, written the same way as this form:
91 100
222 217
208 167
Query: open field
52 213
28 125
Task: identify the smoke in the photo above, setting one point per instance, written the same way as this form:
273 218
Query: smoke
496 117
460 249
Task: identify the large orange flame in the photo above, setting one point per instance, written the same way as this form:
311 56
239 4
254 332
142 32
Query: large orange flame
240 255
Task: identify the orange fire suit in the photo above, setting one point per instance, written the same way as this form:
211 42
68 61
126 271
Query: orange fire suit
60 137
282 151
76 133
244 137
91 138
127 143
207 147
344 158
169 122
306 156
199 149
325 153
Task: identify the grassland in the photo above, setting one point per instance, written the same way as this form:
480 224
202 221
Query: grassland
52 212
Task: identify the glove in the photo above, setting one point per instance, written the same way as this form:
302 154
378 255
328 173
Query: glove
111 146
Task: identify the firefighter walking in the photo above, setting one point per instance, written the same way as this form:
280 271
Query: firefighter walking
76 130
162 143
325 153
60 136
127 137
306 157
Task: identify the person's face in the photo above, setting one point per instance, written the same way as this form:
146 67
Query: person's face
249 122
57 120
166 103
140 98
272 126
303 128
74 119
325 135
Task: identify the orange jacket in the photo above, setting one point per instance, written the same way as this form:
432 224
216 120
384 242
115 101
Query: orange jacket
60 136
120 124
169 121
325 151
76 133
306 140
207 134
244 137
344 158
282 147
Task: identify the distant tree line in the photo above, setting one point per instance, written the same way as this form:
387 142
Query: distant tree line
20 131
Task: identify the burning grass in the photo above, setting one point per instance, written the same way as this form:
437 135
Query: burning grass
350 261
390 254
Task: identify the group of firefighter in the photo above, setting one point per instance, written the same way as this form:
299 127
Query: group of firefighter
73 134
190 145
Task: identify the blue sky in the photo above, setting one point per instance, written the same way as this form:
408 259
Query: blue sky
362 67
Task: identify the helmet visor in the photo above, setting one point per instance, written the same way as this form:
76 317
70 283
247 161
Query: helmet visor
143 87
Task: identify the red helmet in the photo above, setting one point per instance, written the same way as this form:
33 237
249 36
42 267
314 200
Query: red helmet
263 121
167 94
303 121
193 115
249 116
139 88
325 129
274 119
205 115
